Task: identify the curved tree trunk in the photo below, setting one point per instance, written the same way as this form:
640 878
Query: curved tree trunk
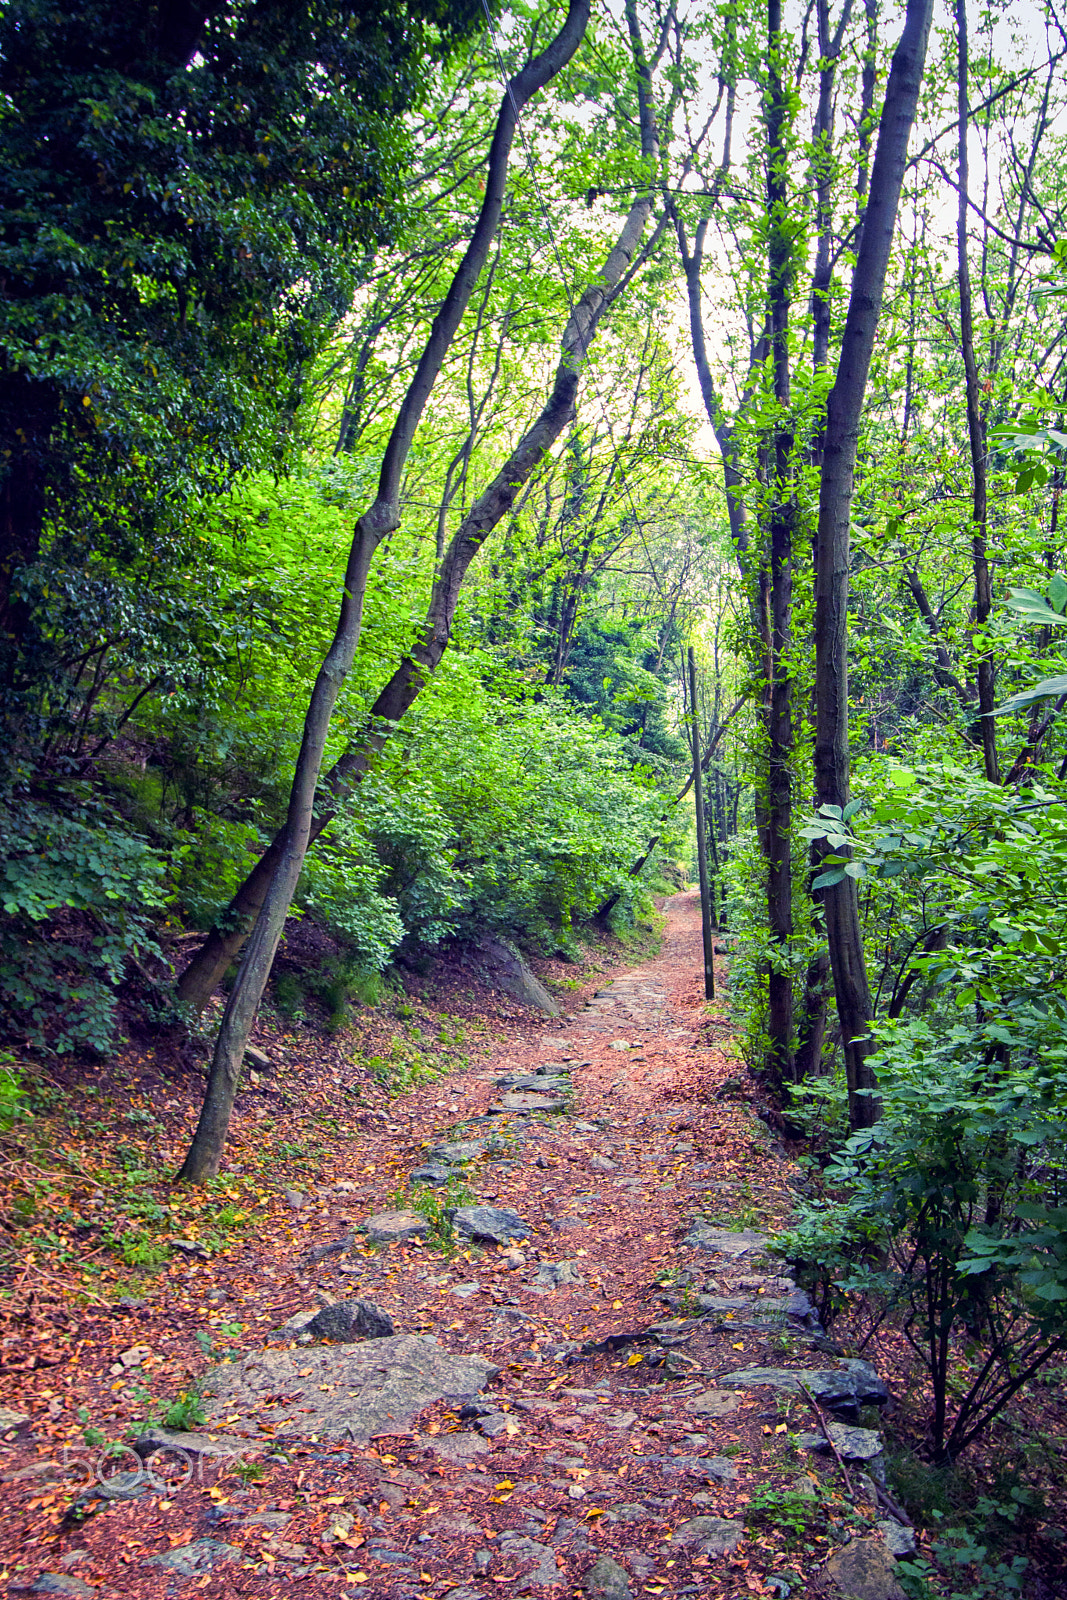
383 516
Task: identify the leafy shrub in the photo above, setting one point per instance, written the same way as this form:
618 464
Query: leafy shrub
77 893
13 1098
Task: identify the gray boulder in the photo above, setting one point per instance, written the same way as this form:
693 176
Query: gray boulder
851 1444
350 1320
864 1570
489 1224
846 1388
499 963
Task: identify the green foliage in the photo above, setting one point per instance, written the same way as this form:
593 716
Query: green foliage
799 1517
13 1096
185 206
184 1413
77 896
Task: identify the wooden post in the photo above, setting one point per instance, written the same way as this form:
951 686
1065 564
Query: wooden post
702 842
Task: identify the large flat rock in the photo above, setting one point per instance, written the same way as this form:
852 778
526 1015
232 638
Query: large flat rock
725 1241
341 1391
524 1102
845 1388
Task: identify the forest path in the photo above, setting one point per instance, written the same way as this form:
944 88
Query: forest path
612 1454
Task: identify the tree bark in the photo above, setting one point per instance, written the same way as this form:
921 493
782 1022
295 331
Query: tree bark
205 1152
844 410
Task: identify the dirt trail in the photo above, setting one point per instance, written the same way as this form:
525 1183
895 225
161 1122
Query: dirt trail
612 1454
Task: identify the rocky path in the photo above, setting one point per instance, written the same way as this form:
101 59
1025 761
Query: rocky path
604 1386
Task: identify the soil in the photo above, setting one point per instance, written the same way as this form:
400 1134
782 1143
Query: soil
612 1416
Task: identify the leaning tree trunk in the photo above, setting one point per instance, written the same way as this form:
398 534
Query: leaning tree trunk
383 516
844 409
204 972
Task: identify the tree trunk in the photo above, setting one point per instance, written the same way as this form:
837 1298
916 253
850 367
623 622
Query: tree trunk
707 932
779 803
205 1152
844 410
983 594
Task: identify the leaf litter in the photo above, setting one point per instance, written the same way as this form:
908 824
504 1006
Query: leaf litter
610 1422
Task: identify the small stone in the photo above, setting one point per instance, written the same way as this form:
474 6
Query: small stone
394 1227
458 1152
514 1257
190 1560
715 1536
433 1174
190 1247
553 1274
606 1580
296 1198
12 1419
899 1540
257 1059
545 1572
335 1247
350 1320
135 1356
864 1570
493 1427
633 1512
61 1583
713 1403
620 1044
296 1325
482 1560
464 1291
600 1163
489 1224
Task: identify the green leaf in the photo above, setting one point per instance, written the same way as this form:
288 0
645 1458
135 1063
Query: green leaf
1034 607
1047 689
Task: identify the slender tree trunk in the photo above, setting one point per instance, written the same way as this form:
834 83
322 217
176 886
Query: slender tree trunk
844 410
983 594
205 1152
779 803
706 928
